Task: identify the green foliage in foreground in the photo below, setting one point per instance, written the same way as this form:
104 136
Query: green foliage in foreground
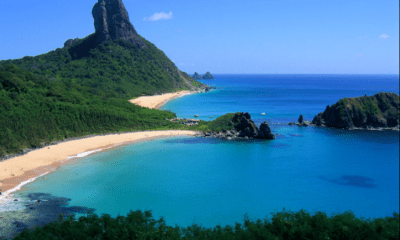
282 225
114 68
35 109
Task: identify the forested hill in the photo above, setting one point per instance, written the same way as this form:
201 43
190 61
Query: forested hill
114 68
115 61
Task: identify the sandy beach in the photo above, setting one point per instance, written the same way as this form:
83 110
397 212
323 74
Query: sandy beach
20 169
157 101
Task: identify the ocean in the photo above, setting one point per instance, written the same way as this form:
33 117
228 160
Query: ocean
211 181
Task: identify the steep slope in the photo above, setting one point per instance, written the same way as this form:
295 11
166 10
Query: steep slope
378 111
36 110
115 61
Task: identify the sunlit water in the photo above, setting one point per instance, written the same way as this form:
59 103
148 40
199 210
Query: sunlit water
209 181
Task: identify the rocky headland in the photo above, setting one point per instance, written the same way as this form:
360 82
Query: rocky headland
237 126
380 111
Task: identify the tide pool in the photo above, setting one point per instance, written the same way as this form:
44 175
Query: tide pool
210 181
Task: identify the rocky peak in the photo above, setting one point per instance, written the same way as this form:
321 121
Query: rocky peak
111 21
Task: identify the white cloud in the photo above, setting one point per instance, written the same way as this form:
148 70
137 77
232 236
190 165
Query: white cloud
384 36
159 16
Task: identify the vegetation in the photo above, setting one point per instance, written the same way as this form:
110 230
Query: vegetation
113 68
36 109
282 225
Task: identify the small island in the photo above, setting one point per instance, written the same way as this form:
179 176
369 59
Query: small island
197 76
206 76
380 111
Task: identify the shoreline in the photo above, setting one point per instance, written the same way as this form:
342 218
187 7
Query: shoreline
18 171
157 101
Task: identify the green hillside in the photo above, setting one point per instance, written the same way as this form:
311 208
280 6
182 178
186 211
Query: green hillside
114 68
36 109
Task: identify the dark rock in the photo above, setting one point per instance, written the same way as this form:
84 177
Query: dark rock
245 126
69 42
197 76
378 111
208 75
301 119
111 21
265 131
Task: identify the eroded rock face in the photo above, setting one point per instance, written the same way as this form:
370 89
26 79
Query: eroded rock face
111 21
69 42
378 111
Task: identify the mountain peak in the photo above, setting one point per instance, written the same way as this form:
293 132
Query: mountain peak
111 21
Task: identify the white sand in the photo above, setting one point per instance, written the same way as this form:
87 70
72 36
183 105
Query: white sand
157 101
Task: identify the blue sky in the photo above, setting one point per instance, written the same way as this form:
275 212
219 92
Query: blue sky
220 36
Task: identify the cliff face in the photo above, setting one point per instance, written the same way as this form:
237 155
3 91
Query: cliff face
378 111
111 21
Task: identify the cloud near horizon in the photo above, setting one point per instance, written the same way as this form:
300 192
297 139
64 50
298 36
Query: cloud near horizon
159 16
384 36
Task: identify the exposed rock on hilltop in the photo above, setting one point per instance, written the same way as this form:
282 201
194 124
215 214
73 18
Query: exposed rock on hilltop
378 111
197 76
238 125
208 75
69 42
111 21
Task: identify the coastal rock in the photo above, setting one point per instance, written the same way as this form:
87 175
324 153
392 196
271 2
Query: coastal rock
238 126
197 76
111 21
301 118
265 132
368 112
245 126
69 42
208 75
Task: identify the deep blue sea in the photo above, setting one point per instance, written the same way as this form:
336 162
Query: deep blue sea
209 181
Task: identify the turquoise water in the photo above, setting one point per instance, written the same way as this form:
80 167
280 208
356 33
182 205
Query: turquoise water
209 181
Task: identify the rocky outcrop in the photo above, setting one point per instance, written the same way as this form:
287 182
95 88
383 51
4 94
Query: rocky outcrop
208 75
197 76
111 21
69 42
368 112
239 126
301 122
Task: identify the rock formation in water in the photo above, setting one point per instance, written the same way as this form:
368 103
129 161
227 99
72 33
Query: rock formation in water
238 125
197 76
208 75
301 122
111 21
378 111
